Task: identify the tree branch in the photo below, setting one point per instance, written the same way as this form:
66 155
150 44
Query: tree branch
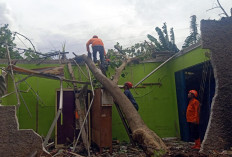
222 8
219 6
119 70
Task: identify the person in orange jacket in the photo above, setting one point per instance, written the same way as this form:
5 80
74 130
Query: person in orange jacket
97 46
192 116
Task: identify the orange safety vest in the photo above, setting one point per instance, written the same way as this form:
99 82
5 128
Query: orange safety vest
95 42
193 109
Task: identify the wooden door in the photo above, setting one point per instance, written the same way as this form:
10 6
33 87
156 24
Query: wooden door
65 128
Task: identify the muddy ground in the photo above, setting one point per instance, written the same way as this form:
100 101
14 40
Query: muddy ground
123 149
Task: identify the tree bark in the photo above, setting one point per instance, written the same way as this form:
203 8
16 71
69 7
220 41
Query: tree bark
140 132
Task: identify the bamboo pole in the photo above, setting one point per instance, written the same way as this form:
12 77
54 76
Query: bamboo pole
12 75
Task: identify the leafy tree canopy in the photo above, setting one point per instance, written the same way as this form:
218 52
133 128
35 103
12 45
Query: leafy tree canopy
164 43
7 37
144 49
30 54
139 50
194 36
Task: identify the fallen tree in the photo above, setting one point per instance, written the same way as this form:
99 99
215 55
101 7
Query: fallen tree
140 132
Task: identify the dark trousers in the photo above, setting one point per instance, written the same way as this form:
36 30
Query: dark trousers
99 49
194 131
136 106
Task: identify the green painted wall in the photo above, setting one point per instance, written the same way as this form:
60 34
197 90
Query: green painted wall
157 104
46 90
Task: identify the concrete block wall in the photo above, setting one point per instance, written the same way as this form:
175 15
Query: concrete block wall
15 142
217 36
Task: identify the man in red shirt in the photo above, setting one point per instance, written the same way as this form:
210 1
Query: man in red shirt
97 46
192 116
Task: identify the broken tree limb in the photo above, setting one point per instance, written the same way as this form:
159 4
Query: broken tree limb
222 8
140 132
119 70
39 74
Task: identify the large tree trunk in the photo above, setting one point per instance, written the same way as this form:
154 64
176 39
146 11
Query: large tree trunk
140 132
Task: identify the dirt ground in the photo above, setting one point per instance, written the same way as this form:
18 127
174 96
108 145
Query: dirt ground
123 149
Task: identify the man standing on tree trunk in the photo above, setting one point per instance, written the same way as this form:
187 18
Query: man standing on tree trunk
97 46
127 92
192 116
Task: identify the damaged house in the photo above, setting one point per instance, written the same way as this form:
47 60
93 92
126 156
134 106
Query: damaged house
162 97
60 100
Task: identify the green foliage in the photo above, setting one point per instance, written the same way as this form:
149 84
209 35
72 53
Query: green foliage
172 36
139 50
157 46
164 44
115 57
163 41
194 35
133 51
7 37
144 49
30 54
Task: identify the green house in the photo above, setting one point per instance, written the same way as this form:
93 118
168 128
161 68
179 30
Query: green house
162 97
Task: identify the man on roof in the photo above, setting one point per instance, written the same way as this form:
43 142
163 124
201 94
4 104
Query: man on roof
97 46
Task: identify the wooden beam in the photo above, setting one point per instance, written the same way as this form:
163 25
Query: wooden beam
39 74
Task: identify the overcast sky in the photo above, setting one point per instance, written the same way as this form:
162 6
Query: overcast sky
50 23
